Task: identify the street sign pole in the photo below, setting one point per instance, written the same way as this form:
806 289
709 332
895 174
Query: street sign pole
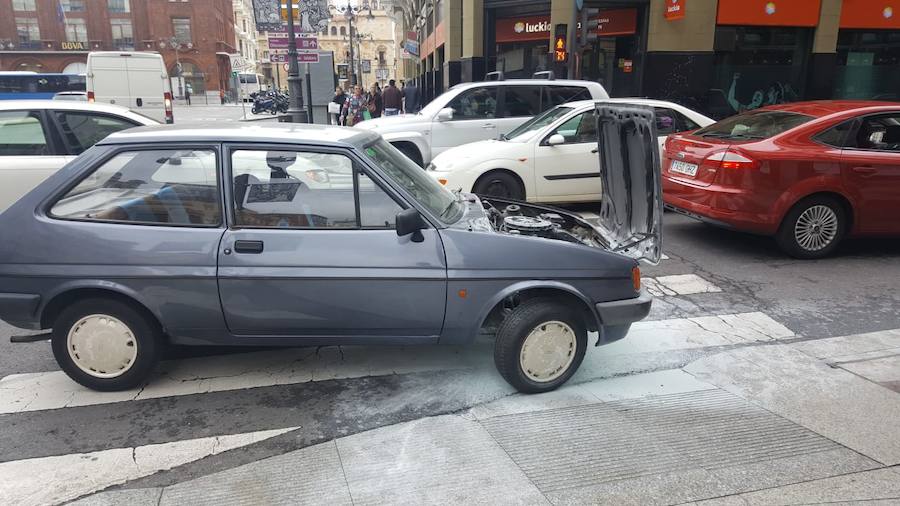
309 104
295 88
243 106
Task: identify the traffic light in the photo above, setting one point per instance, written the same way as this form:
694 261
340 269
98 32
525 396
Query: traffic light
560 53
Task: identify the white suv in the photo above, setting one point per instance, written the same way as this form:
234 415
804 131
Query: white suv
472 112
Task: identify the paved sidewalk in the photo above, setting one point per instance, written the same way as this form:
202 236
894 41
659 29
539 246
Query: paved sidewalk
812 421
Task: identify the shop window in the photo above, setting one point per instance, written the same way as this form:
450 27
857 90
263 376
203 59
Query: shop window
868 65
521 101
476 103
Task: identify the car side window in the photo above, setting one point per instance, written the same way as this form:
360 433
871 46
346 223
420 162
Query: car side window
160 186
22 134
297 189
562 94
580 129
878 133
836 136
475 103
666 121
521 101
81 130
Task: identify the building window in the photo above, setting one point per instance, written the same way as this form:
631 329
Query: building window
28 31
72 5
76 30
181 27
118 6
343 30
23 5
333 30
121 34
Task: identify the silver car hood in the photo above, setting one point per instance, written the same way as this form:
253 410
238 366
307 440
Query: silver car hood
631 205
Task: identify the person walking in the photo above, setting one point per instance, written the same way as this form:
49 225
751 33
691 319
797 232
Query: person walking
188 89
375 105
340 98
411 98
392 99
354 106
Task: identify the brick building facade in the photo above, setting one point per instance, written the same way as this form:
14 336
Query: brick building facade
56 35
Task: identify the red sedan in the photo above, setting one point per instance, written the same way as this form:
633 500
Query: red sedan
808 173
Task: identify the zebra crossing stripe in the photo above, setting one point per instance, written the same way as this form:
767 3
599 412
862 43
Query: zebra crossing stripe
53 480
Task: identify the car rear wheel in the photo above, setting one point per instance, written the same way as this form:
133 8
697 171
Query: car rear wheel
105 344
539 346
499 184
813 228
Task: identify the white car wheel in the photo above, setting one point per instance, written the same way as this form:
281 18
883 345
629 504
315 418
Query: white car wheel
102 346
548 351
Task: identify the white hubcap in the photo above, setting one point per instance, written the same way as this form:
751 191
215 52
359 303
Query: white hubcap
816 228
548 351
102 346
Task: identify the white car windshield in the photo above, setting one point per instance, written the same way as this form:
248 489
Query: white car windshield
528 129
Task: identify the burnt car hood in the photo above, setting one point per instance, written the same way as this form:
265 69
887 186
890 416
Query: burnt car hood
631 205
631 209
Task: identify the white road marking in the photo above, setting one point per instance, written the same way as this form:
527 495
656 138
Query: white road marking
682 284
53 480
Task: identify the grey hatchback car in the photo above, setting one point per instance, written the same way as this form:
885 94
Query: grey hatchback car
301 235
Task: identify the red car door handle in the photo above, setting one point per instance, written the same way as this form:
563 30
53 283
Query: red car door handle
864 170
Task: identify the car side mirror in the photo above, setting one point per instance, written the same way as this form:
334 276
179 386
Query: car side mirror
409 221
445 114
556 140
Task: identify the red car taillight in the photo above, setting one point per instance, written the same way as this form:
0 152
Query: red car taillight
732 160
90 96
167 100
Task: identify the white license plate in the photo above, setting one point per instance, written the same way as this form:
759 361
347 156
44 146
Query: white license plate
689 169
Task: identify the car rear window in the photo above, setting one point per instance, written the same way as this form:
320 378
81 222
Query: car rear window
754 125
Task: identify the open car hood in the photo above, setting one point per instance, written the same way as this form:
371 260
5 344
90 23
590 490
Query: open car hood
631 205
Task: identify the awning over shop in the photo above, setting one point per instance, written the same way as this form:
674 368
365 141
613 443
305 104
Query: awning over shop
869 14
804 13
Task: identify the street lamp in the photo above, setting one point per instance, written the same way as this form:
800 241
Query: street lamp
358 38
350 12
174 43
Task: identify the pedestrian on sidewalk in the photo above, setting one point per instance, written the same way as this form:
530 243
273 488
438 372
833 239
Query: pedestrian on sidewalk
375 104
340 98
392 99
188 89
354 106
411 98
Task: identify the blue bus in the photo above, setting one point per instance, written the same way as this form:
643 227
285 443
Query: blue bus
31 85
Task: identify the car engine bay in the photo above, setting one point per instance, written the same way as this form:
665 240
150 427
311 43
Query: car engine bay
514 218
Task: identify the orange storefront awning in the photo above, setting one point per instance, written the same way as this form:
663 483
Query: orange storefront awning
878 14
769 12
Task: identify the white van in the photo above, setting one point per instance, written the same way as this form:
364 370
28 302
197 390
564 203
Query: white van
135 80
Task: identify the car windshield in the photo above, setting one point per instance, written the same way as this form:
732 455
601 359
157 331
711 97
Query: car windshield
754 125
527 130
441 202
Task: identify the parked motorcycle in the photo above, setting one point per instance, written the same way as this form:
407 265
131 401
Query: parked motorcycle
271 101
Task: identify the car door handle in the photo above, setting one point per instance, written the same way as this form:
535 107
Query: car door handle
255 247
595 151
866 171
488 125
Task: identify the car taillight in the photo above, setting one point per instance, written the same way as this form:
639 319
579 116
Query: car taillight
91 97
167 100
732 160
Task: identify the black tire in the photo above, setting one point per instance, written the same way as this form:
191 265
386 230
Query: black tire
499 184
146 334
412 153
832 224
254 110
515 329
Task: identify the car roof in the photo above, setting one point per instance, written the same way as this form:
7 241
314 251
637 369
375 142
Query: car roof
578 104
6 105
540 82
242 132
822 108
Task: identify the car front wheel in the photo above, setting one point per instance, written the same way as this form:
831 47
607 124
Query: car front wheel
539 346
813 227
105 344
499 184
